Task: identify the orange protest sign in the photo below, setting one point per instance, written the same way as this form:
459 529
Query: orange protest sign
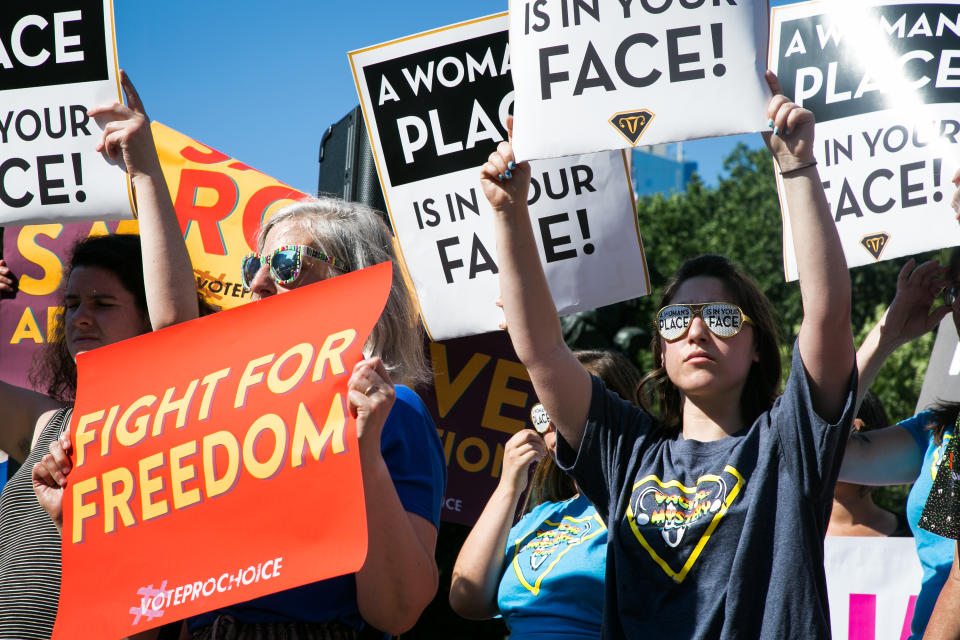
197 481
220 203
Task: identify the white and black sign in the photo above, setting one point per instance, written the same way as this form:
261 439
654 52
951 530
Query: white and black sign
57 61
610 74
884 83
436 107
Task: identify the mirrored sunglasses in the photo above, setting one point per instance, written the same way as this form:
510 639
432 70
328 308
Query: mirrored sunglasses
723 319
285 263
539 418
950 294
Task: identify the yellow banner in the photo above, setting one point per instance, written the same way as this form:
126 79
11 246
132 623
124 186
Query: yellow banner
220 204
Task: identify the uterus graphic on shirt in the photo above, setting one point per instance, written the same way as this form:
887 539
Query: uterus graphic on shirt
674 522
540 550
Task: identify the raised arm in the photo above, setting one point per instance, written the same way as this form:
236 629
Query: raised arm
479 566
167 272
561 382
907 318
399 576
826 341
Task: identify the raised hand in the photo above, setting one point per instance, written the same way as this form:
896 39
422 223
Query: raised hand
910 315
790 139
370 397
505 182
522 449
127 136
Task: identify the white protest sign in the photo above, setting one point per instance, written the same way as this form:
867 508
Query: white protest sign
55 63
609 74
872 586
884 83
435 106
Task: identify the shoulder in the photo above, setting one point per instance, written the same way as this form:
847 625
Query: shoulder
919 427
409 414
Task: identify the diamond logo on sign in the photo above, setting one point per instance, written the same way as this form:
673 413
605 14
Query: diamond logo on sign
875 243
632 124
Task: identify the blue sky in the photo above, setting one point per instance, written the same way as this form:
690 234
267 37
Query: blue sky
263 84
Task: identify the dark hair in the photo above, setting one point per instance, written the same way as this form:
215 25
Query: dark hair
658 395
871 414
945 415
54 369
549 483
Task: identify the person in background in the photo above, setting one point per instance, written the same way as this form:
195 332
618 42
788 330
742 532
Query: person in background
402 461
545 574
854 511
116 287
910 451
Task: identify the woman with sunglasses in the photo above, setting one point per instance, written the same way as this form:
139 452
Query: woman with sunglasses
116 287
402 462
544 575
911 450
716 499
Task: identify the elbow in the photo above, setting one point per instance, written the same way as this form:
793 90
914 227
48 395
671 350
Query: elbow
401 615
468 601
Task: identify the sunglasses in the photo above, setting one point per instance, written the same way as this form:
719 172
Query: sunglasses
723 319
540 419
950 294
285 263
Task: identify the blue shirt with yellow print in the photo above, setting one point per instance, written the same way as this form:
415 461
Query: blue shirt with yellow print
552 585
935 552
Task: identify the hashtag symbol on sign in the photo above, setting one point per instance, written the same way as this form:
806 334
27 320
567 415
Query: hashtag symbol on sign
145 608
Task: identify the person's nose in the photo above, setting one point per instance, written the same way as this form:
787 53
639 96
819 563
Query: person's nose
698 330
262 285
82 315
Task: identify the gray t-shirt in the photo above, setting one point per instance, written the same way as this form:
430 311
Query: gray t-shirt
719 539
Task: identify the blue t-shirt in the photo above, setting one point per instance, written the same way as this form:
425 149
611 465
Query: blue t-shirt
552 584
718 540
936 553
412 451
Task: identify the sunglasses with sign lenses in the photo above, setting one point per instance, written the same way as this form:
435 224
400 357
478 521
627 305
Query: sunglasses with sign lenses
285 263
723 319
539 418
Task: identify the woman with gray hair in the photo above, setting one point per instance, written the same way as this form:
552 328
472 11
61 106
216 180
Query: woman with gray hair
402 462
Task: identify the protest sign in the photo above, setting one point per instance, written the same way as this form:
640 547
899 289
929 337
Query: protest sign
255 437
883 80
435 106
609 74
872 586
56 61
481 395
221 204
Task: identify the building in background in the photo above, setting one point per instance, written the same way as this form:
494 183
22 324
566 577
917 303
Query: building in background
660 169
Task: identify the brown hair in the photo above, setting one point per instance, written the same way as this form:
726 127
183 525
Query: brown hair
657 393
54 369
550 483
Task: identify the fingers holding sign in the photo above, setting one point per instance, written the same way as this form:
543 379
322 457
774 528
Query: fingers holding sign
127 136
50 477
505 182
8 281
